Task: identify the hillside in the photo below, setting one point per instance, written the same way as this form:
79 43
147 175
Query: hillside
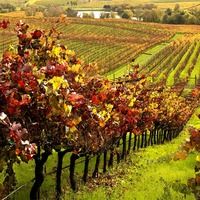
169 53
98 108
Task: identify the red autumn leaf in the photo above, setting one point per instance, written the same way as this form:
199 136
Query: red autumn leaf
29 157
102 96
95 99
76 99
7 55
11 110
22 37
36 34
21 84
25 100
4 24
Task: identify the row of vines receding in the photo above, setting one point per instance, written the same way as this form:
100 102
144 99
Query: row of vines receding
51 101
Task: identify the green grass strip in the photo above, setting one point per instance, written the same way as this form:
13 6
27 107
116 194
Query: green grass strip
150 174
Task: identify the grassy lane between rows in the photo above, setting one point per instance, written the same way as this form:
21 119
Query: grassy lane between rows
150 173
141 59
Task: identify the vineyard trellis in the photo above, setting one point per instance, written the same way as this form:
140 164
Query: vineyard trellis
155 137
50 101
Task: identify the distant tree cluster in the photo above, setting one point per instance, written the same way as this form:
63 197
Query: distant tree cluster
150 13
71 13
146 12
6 7
124 10
53 11
179 16
48 11
32 10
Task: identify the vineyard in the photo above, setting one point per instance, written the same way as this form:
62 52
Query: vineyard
59 111
102 41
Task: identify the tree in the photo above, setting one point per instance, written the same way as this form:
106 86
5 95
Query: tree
151 16
168 11
177 8
53 11
127 14
71 13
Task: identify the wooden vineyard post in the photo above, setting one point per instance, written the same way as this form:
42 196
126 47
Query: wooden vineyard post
110 162
118 152
73 159
10 178
129 143
168 134
145 139
85 174
135 142
124 147
164 135
154 136
157 136
104 161
142 141
39 174
96 169
59 172
150 141
138 142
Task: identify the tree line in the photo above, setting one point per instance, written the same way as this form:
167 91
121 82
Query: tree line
151 13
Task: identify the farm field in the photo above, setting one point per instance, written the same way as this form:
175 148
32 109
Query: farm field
153 46
146 100
101 41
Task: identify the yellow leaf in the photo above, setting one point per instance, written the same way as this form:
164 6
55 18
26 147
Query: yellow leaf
75 68
56 51
73 129
70 52
102 113
57 82
79 79
67 109
109 107
131 104
77 120
65 84
94 111
198 158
